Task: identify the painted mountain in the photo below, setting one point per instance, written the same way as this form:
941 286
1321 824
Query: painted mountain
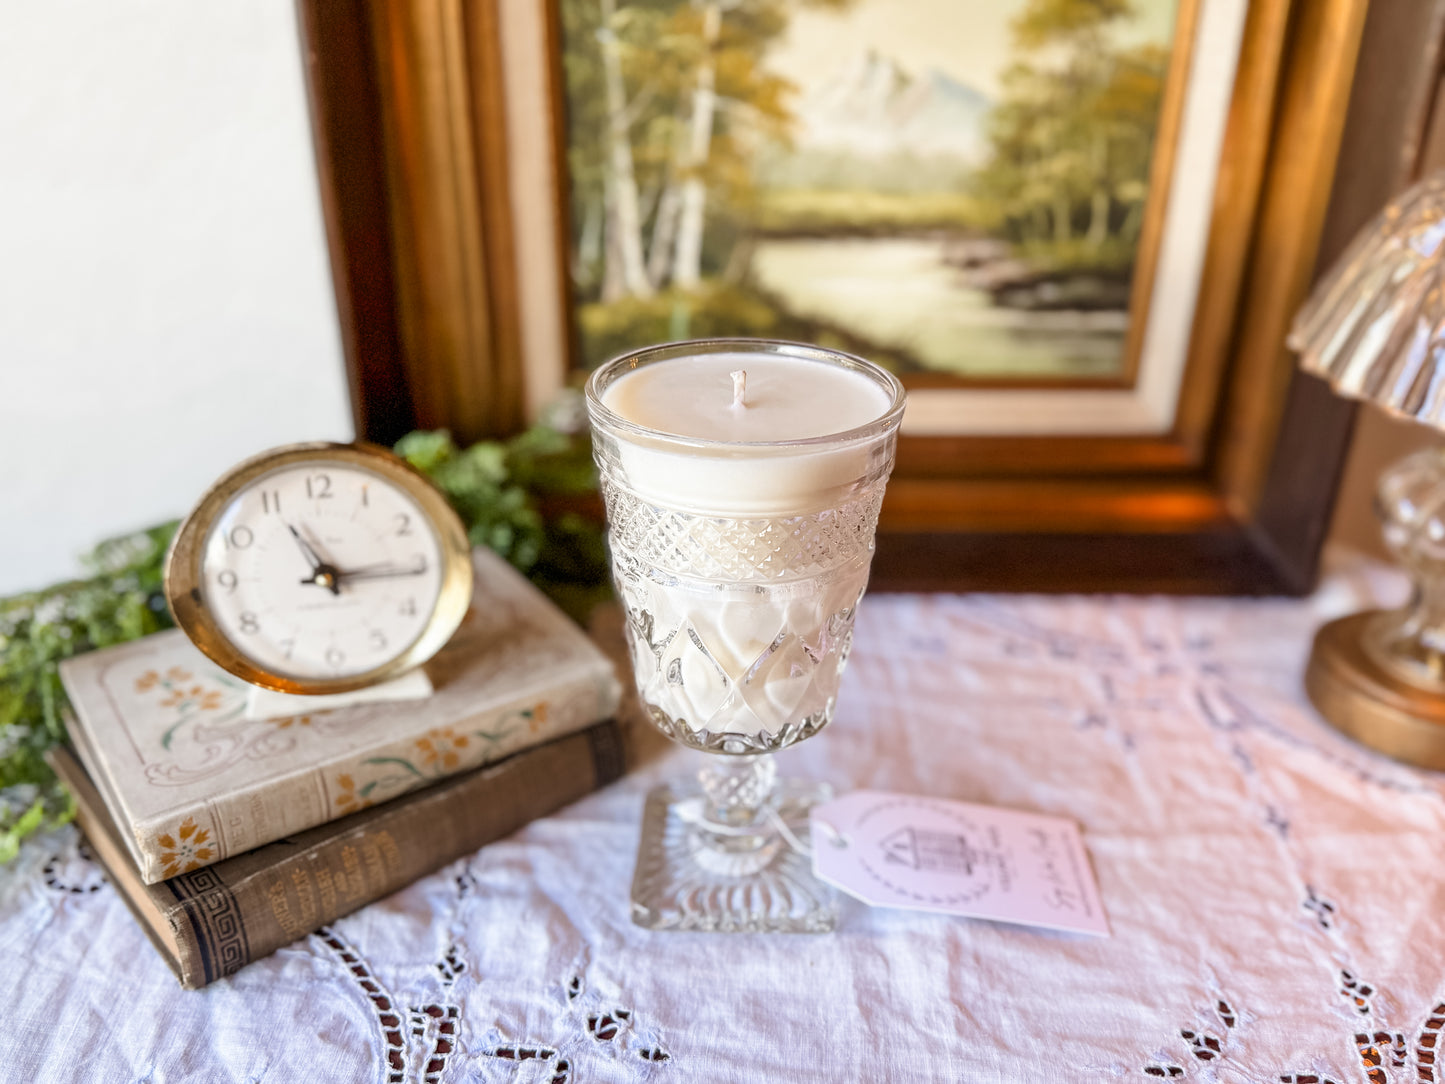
875 126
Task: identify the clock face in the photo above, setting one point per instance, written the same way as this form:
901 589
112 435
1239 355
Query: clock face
321 570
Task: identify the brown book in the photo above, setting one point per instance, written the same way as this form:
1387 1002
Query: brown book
215 920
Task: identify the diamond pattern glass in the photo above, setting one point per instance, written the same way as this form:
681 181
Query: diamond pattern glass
738 627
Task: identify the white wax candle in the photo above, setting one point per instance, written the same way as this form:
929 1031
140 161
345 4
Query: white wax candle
742 612
742 471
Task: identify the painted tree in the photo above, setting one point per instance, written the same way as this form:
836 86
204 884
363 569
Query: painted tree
625 220
669 101
1129 104
734 103
1073 131
612 49
687 263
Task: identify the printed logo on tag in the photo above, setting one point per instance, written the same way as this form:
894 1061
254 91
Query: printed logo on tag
899 850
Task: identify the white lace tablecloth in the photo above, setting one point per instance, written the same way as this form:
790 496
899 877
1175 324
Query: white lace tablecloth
1277 897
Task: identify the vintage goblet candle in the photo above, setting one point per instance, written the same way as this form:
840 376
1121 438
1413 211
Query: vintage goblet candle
743 480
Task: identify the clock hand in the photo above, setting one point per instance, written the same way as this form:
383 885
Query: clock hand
385 572
312 558
322 574
382 566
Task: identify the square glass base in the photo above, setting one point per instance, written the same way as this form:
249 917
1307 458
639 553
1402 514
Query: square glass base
689 878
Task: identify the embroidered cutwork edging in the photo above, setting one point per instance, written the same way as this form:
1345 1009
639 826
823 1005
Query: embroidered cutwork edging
430 1037
1378 1051
561 1067
1427 1044
1381 1051
1356 992
1203 1043
58 879
609 1025
597 1027
1321 908
450 966
436 1028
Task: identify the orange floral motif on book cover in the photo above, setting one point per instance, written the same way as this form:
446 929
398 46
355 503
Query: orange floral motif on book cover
186 850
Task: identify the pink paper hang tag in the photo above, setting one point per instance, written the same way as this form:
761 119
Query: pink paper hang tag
931 854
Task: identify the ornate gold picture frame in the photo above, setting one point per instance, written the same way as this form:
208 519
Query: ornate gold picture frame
441 133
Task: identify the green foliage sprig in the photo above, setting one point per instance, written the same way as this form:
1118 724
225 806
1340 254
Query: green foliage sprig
532 499
121 601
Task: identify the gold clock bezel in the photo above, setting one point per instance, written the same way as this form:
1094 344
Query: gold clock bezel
183 575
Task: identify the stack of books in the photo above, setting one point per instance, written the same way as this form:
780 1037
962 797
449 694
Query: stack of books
229 837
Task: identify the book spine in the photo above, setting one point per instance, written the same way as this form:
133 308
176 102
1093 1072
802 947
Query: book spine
221 927
211 831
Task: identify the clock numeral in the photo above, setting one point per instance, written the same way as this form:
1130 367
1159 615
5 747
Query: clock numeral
403 525
318 487
239 538
365 503
271 501
288 646
249 624
335 657
408 608
228 580
378 639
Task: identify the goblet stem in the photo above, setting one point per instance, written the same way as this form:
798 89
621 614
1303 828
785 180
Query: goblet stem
738 788
739 821
736 821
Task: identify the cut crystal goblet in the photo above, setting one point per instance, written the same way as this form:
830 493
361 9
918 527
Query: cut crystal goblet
739 567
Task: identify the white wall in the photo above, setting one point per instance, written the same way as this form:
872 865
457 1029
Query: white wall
165 299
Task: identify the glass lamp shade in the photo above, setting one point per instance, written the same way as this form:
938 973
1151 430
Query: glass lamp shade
1374 326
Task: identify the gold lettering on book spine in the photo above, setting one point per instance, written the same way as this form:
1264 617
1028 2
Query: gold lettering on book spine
281 911
375 867
326 889
390 852
350 887
305 898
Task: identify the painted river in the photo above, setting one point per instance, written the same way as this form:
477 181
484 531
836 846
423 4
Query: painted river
900 294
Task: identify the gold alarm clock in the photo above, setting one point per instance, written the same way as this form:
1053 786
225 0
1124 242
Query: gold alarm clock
320 568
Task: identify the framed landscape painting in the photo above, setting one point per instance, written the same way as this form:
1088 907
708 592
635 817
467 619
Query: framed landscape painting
959 191
1009 203
1077 230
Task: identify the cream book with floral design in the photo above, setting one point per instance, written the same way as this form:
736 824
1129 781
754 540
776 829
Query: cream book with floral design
191 780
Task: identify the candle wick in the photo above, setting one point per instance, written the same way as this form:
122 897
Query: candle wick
740 387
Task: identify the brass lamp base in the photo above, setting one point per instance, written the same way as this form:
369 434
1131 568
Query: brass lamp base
1363 699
